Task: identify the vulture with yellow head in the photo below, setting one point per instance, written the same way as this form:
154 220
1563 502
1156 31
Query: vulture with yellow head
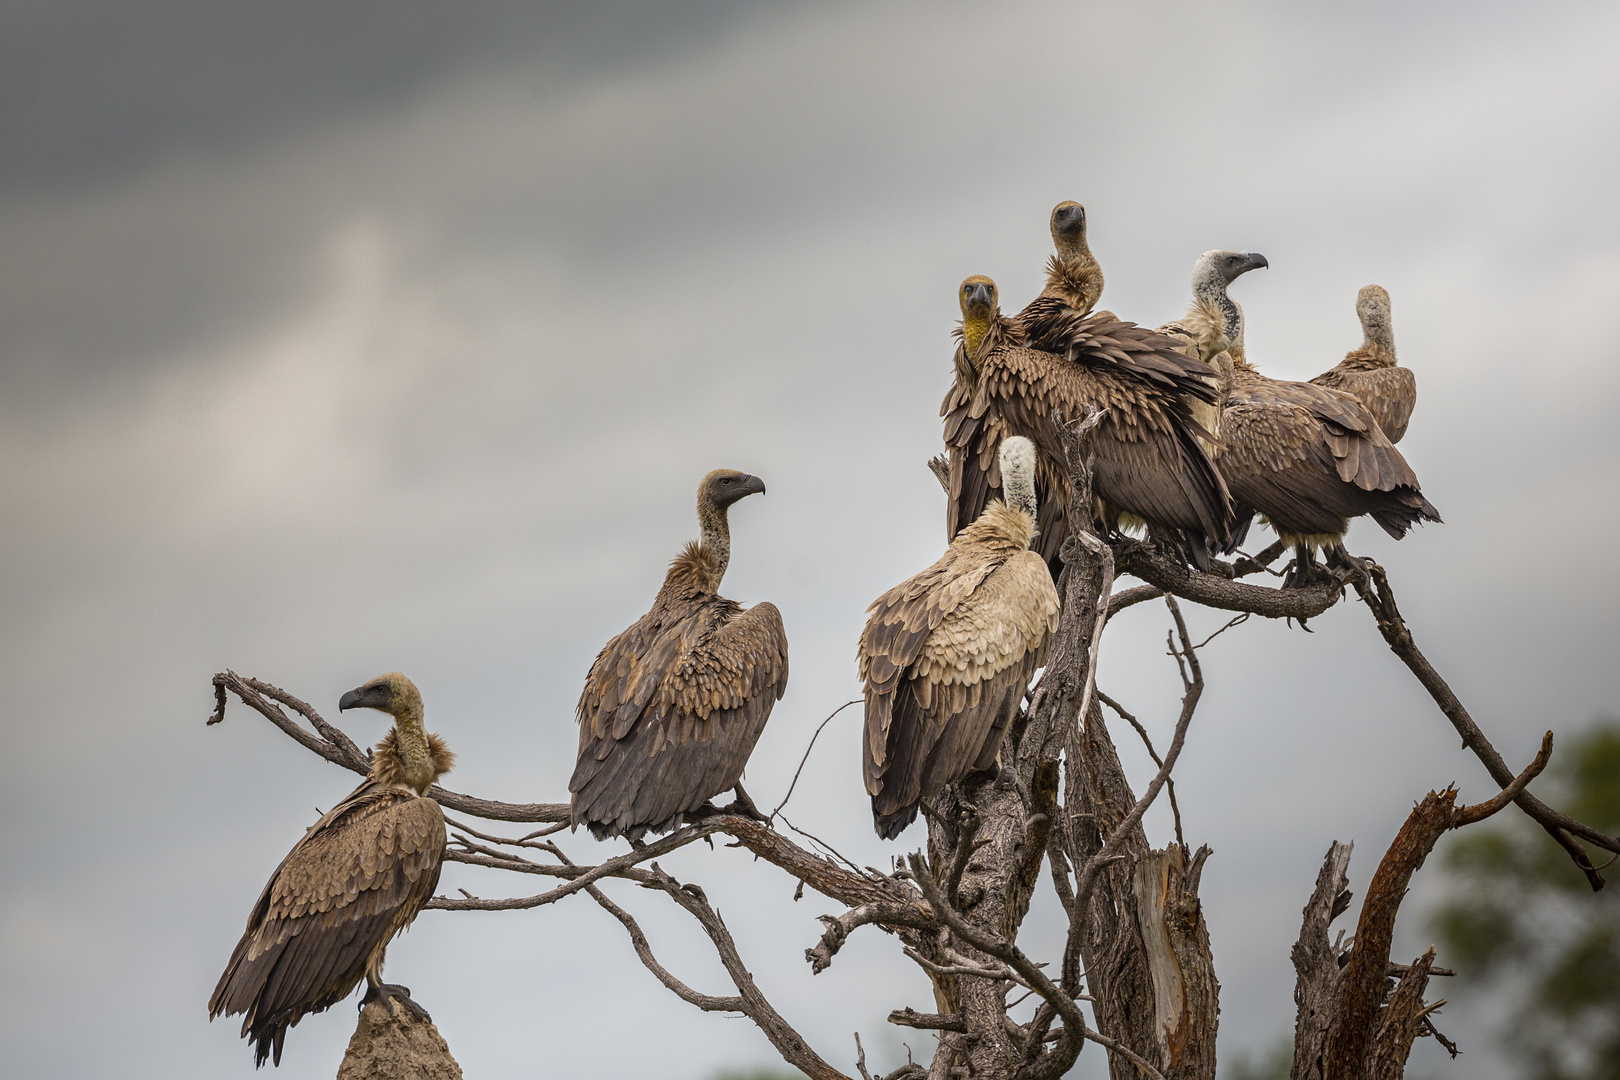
1370 373
1308 458
359 876
1025 375
673 706
947 655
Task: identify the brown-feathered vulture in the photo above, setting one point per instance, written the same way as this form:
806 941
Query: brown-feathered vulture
1305 457
357 878
1150 468
946 655
673 706
1370 373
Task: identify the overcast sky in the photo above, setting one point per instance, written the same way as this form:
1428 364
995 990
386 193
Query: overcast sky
343 339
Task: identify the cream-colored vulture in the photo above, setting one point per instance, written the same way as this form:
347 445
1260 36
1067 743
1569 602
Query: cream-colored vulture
357 878
673 706
1150 467
1307 458
947 655
1370 373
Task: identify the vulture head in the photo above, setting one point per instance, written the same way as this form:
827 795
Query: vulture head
1017 460
1069 228
723 487
1372 307
392 693
1213 272
978 298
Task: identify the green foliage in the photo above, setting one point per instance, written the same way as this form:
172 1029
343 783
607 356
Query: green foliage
1521 921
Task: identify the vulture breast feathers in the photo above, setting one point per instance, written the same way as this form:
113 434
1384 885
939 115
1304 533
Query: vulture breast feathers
946 657
1150 467
673 706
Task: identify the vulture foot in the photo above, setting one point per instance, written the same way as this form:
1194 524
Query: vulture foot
744 806
1305 570
1348 568
391 994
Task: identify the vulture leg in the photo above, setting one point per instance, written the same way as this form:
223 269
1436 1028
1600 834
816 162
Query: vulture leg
743 805
389 994
1305 571
1351 566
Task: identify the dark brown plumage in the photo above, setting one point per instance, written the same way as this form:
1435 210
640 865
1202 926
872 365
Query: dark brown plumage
1150 466
1370 374
1307 458
357 878
947 655
673 706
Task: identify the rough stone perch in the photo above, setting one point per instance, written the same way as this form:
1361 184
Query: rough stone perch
396 1047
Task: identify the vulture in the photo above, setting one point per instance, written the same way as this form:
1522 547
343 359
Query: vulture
1370 373
1150 468
1307 458
673 706
358 877
946 655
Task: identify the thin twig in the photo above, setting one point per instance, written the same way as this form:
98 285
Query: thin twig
806 758
1170 783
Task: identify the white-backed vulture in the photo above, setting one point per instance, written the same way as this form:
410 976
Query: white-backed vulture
1370 373
1150 467
1305 457
357 878
946 655
673 706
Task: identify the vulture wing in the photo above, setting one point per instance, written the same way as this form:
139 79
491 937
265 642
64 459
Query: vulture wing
671 710
357 878
946 657
1310 458
1388 392
1150 463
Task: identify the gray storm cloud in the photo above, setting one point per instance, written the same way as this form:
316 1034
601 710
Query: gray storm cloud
406 349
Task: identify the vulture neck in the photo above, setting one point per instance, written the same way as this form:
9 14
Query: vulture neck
1378 342
715 545
408 756
975 328
1073 276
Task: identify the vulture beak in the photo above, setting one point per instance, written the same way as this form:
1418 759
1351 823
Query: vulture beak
980 294
1255 261
370 696
753 485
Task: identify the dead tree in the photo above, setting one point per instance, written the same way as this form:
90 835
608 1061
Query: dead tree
1062 812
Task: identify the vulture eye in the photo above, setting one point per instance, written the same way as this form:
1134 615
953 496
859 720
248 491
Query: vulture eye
725 480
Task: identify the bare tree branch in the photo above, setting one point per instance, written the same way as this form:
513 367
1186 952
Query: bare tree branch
1379 598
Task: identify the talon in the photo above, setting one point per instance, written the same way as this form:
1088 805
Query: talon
391 994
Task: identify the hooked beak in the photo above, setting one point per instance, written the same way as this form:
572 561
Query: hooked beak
979 294
1255 261
753 485
348 701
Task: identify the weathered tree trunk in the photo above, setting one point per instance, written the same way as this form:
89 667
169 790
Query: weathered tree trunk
396 1047
1146 950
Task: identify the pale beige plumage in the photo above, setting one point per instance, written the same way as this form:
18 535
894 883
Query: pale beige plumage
947 654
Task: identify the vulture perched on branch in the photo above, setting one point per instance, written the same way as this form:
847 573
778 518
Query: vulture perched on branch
946 656
1370 373
1150 469
673 706
1306 457
357 878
